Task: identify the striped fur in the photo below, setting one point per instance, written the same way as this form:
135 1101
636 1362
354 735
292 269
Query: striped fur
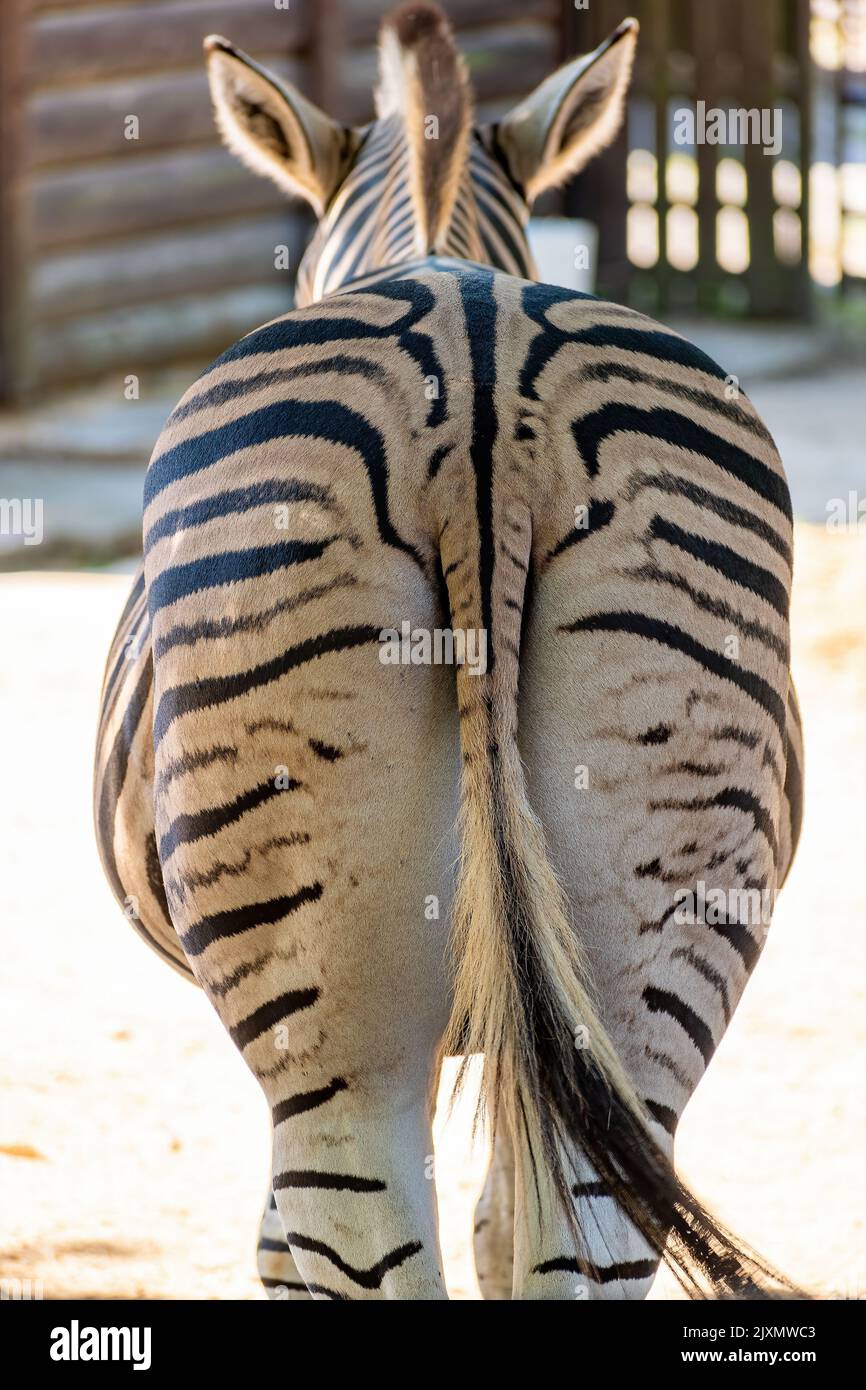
445 443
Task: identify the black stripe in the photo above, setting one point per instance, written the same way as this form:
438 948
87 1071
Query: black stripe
355 242
705 400
708 971
510 236
187 634
234 501
479 308
658 924
325 751
663 1115
113 778
730 733
734 797
261 1020
216 690
220 925
438 459
727 561
306 1100
719 608
679 431
191 762
676 486
418 345
740 938
662 1001
365 1278
185 829
741 800
335 1182
599 1274
234 388
591 1189
658 734
667 635
600 514
127 624
328 420
664 347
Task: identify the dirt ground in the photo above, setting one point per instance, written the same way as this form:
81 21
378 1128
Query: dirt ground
134 1143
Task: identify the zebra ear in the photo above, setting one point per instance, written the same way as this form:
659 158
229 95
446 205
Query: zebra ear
275 130
570 117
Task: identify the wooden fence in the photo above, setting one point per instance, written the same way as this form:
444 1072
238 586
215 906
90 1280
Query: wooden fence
705 226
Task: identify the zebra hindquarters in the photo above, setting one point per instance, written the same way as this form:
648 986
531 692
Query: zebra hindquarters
657 771
123 782
305 800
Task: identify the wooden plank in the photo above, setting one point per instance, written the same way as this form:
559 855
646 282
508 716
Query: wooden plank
513 57
125 197
708 43
135 271
659 48
756 35
599 191
89 122
80 45
12 255
156 334
327 46
610 169
804 297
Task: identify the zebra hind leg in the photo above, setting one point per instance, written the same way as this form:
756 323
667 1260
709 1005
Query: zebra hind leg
608 1259
367 1230
276 1265
494 1223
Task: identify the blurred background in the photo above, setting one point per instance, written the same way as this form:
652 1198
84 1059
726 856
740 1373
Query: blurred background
133 249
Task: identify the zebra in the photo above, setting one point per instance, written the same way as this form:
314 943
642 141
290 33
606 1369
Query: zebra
371 865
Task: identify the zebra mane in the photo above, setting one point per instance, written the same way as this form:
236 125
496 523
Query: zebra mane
424 82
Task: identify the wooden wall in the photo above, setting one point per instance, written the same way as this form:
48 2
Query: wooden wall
127 254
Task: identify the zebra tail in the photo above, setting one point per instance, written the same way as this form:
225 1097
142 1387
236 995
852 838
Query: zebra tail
523 999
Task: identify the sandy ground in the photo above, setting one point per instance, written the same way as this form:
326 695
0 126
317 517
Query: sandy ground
134 1143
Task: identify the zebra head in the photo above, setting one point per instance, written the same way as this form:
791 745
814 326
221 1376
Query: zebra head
422 178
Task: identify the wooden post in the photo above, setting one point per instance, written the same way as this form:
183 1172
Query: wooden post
599 193
805 299
13 347
757 43
707 38
327 43
659 27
